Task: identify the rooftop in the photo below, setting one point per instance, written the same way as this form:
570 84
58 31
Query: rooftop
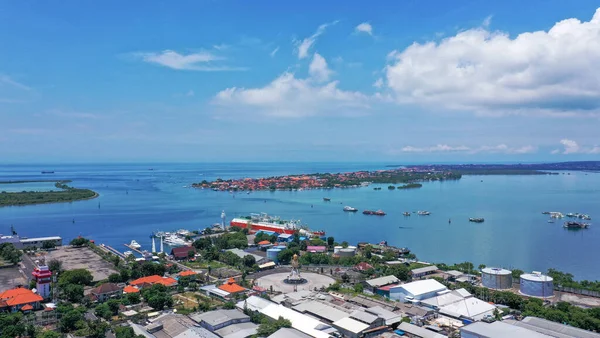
553 329
301 322
19 296
418 331
424 269
154 279
364 316
130 289
187 273
500 330
218 317
239 330
253 303
106 288
288 333
321 310
381 281
231 286
351 325
454 273
242 254
37 239
421 287
389 316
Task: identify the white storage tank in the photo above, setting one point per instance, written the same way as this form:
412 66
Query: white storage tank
352 247
536 284
337 249
496 278
347 252
272 254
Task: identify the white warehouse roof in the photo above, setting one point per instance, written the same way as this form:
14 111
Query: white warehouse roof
300 322
421 287
351 325
381 281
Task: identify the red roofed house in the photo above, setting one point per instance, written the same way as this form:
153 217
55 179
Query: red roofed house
130 289
265 242
316 248
188 273
232 287
154 279
182 252
19 299
105 291
363 266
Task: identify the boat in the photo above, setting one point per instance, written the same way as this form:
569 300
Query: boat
351 209
556 214
134 244
47 172
424 213
576 225
572 215
545 212
376 213
476 220
550 221
584 217
326 199
266 222
127 253
174 241
406 213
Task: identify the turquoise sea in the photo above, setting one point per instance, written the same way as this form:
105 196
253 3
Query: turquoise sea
134 201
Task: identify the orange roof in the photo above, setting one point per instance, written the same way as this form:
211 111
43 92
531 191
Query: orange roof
130 289
154 279
264 242
231 286
19 296
27 308
187 273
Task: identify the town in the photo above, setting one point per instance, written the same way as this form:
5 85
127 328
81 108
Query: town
238 283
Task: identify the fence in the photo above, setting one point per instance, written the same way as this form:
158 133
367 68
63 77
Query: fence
583 292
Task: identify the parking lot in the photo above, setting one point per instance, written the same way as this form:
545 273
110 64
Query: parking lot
82 258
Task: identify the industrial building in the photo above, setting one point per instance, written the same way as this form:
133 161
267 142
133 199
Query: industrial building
553 329
410 330
498 330
496 278
536 284
416 291
459 304
424 271
24 242
372 285
215 320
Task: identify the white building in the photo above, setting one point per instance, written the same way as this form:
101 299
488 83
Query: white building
459 303
416 291
300 322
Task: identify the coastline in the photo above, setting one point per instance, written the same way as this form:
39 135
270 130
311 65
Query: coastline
67 194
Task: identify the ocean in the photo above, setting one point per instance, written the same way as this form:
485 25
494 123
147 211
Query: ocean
137 199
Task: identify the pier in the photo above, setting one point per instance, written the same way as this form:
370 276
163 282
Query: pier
133 249
111 250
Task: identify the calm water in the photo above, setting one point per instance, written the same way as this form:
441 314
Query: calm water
135 201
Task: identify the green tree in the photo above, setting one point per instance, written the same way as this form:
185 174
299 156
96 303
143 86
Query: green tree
157 297
69 320
367 252
133 298
481 267
249 260
73 292
516 273
55 265
125 332
114 278
330 241
358 287
79 241
191 254
267 327
76 276
113 305
49 334
48 245
229 305
10 253
344 244
103 311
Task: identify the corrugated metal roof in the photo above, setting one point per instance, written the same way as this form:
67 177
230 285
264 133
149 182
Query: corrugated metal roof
424 269
301 322
421 287
218 317
500 329
381 281
418 331
321 310
364 317
288 333
556 329
254 303
351 325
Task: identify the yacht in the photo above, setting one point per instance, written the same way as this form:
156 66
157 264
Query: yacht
174 241
134 244
351 209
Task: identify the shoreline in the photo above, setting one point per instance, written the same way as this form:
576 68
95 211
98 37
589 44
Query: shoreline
25 198
53 202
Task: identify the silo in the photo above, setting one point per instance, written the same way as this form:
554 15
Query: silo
337 249
536 284
347 252
496 278
272 254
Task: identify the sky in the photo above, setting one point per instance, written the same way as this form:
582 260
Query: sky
400 81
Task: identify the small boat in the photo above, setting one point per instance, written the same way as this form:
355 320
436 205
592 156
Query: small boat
550 221
135 244
584 217
476 220
545 212
368 212
572 215
424 213
576 225
47 172
326 199
379 213
127 253
350 209
406 213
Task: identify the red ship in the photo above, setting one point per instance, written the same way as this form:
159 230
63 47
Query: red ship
265 222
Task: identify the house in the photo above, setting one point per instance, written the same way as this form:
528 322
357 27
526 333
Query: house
154 279
130 289
416 291
218 319
373 285
105 292
182 252
424 271
189 274
231 287
363 266
19 299
285 238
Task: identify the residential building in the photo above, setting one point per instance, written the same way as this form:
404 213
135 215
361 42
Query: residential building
188 273
350 328
39 242
424 271
182 252
321 311
390 318
213 291
285 238
231 287
416 291
372 285
130 289
218 319
174 326
316 248
363 266
154 279
19 299
105 292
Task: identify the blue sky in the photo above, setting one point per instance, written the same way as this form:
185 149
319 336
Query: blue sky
280 81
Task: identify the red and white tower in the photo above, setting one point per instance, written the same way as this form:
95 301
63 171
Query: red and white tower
43 278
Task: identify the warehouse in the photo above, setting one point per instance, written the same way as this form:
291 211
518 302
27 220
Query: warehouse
498 330
416 291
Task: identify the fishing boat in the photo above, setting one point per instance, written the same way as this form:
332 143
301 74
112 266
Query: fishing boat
476 220
424 213
550 221
576 225
134 244
406 213
572 215
350 209
376 213
326 199
584 217
266 222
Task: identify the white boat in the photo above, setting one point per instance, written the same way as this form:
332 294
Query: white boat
348 208
134 244
127 253
174 241
425 213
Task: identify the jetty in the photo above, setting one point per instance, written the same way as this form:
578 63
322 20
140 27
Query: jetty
133 249
114 251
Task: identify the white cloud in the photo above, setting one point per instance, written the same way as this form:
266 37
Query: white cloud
304 45
5 79
542 72
73 114
444 148
318 69
378 83
221 46
487 21
364 27
201 61
288 96
572 147
274 51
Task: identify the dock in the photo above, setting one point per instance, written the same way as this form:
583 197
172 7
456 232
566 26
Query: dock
133 249
111 250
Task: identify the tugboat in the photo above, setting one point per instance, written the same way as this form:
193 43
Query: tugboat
576 225
476 220
350 209
406 213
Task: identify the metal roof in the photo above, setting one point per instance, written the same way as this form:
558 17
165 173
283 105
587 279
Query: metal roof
254 303
421 287
242 254
389 316
364 317
496 271
218 317
239 330
553 329
351 325
288 333
381 281
534 277
321 310
418 331
301 322
454 273
52 238
500 330
424 269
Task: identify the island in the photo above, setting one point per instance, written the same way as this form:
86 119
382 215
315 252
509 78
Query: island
330 180
65 194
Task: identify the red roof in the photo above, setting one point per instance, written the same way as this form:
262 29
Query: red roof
27 308
182 252
265 242
154 279
387 287
231 287
19 296
130 289
362 266
187 273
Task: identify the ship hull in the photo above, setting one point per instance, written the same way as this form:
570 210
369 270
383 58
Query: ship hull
265 227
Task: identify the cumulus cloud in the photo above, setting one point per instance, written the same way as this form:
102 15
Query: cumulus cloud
318 68
303 46
493 73
288 96
201 61
378 83
364 27
572 147
444 148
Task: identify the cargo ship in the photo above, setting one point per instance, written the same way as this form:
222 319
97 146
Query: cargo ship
265 222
